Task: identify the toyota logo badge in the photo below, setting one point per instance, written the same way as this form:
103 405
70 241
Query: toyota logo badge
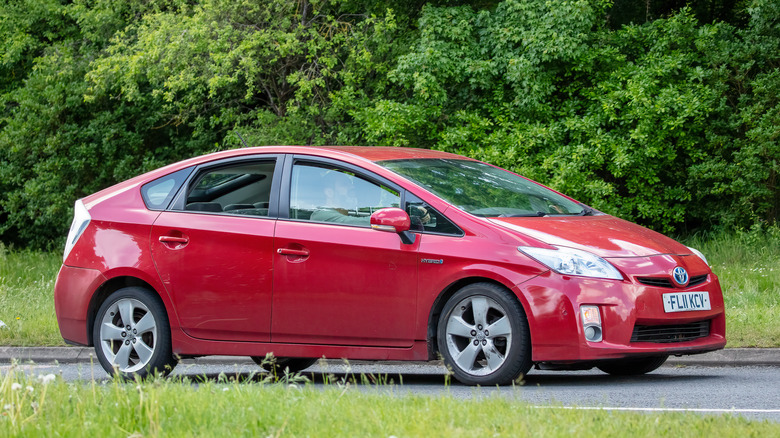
680 275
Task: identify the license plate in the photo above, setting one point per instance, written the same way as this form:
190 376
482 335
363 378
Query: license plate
686 301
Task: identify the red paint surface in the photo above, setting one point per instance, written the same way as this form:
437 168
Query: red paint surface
221 281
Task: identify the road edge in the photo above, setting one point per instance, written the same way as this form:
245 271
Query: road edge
727 357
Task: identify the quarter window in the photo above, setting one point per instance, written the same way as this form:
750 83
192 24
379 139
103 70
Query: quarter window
426 219
158 193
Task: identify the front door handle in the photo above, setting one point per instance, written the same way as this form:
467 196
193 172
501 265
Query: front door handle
293 252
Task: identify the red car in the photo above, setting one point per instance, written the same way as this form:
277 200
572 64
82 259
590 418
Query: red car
374 253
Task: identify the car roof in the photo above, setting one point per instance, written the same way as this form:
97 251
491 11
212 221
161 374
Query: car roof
367 153
383 153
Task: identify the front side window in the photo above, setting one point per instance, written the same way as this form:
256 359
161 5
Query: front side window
329 194
484 190
236 189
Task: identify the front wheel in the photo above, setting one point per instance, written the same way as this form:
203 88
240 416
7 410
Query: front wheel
632 366
483 335
131 334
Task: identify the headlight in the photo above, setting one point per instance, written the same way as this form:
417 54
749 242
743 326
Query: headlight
569 261
81 219
698 253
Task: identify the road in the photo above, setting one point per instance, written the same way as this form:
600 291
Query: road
749 391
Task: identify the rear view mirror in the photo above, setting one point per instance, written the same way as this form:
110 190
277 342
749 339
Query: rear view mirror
391 219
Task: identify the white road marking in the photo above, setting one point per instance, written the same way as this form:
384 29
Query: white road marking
632 409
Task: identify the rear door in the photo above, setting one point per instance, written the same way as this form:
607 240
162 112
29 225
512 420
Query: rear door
214 249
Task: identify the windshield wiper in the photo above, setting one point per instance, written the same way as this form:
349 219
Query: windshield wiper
586 211
537 214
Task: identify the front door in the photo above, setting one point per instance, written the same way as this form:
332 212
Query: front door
337 281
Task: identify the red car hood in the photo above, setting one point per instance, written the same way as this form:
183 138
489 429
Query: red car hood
603 235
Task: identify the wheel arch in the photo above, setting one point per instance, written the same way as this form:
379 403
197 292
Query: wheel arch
444 296
107 289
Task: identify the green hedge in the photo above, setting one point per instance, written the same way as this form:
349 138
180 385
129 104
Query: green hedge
673 122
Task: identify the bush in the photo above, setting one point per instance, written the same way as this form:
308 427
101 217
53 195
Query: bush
673 123
132 88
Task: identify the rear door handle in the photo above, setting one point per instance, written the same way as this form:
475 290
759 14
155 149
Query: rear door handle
293 252
174 239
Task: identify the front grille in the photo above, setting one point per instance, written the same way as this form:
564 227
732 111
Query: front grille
657 282
697 280
665 282
671 333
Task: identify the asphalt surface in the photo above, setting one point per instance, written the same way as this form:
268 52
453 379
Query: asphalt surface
731 382
727 357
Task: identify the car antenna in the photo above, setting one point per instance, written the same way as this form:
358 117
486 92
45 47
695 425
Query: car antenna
242 139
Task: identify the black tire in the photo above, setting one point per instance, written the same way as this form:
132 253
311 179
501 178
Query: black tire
132 336
632 366
496 358
277 367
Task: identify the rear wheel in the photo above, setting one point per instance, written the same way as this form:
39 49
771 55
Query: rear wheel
632 366
483 335
131 334
278 365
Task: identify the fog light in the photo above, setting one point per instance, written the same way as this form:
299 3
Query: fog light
591 323
593 333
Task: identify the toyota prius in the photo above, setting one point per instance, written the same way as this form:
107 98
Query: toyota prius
374 253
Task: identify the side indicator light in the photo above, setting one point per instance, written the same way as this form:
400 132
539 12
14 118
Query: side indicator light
591 323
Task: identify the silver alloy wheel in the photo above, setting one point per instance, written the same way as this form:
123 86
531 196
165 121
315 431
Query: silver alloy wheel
478 335
128 335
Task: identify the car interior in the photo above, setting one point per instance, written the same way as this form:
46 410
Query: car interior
243 189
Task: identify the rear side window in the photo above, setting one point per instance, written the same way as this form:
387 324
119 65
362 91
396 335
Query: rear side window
157 195
236 189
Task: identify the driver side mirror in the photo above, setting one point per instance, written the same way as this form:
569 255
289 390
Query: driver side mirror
393 220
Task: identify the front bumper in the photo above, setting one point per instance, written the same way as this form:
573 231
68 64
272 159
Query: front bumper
628 308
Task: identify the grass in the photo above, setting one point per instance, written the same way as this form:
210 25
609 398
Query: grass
747 262
27 298
47 406
748 265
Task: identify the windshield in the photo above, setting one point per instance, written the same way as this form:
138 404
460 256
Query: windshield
484 190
